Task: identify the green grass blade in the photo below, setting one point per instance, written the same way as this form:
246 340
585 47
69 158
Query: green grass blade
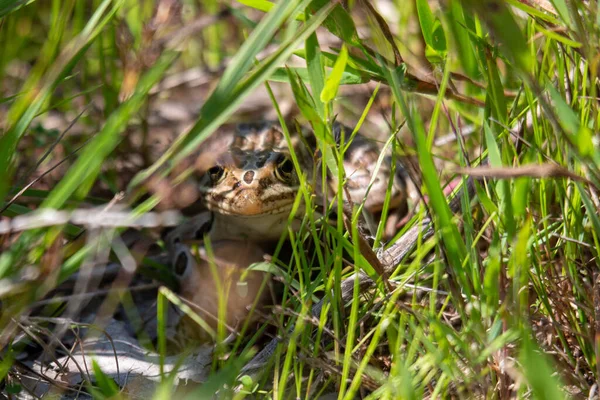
348 77
538 371
314 71
88 164
426 20
221 105
460 21
28 106
8 6
502 24
445 225
333 80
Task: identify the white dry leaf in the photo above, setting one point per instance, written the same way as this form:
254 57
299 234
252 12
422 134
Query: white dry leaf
135 369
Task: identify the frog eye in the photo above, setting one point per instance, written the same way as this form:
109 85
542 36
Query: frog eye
181 263
216 173
284 169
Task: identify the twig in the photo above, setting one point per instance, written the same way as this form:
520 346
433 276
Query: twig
89 217
531 170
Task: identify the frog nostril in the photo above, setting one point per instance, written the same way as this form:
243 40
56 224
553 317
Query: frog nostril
248 177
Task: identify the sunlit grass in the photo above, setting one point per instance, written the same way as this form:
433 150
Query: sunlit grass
497 301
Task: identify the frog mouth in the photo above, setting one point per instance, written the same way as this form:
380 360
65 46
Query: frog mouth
248 207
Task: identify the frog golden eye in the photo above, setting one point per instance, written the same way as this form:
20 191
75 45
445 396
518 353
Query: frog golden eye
216 173
285 168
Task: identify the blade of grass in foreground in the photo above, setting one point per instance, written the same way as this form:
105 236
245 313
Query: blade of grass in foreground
27 108
315 72
446 227
8 6
228 95
350 338
232 75
88 164
537 371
